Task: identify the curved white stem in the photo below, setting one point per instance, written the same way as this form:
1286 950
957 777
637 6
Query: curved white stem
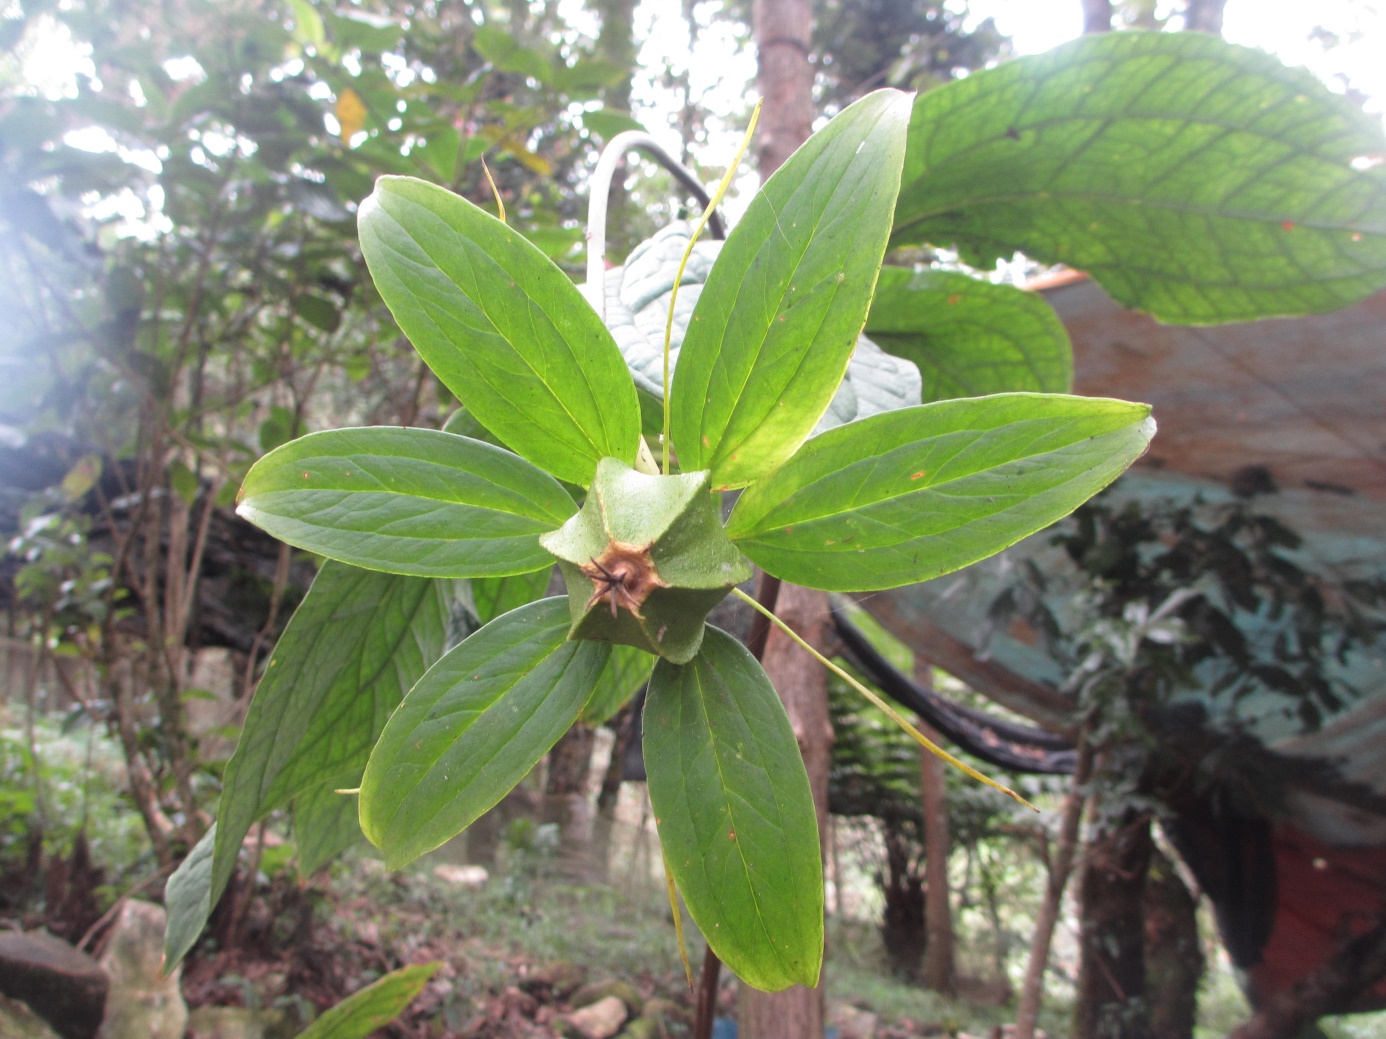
599 193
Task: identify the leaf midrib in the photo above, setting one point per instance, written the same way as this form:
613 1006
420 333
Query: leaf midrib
740 855
761 527
418 824
481 305
808 240
1118 201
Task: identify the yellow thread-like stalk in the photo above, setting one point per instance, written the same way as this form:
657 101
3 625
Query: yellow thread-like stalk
687 252
500 202
678 921
890 712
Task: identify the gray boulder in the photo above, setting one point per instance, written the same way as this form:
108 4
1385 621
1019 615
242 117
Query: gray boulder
143 1003
17 1021
65 987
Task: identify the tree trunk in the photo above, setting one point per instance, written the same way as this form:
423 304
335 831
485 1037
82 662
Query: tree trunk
1032 988
797 1013
565 791
939 974
784 79
569 762
782 31
616 44
626 726
1173 955
1111 977
902 916
1204 16
1097 16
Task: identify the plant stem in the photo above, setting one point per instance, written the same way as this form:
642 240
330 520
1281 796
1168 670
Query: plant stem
890 712
687 252
1032 989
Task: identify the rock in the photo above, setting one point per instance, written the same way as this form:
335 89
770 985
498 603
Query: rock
17 1021
560 979
666 1010
597 990
239 1023
602 1020
852 1022
65 987
469 878
141 1004
989 992
519 1003
643 1028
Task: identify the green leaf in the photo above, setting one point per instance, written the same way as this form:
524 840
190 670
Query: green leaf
493 597
325 823
1195 180
970 338
778 318
464 424
439 153
354 647
183 480
586 77
308 28
915 493
277 429
606 123
626 671
406 501
735 813
506 53
474 726
502 327
319 312
188 900
374 1007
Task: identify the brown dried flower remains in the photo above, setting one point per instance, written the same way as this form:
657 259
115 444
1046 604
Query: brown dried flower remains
624 576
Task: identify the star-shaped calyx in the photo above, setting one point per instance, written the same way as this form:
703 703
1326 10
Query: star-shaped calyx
646 559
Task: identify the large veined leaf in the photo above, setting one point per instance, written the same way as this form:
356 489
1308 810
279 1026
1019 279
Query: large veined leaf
188 900
502 326
915 493
1195 180
474 726
354 647
627 669
372 1008
780 313
735 813
325 823
968 337
406 501
494 596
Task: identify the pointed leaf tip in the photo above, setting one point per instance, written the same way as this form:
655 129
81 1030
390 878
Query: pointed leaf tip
735 813
779 316
474 726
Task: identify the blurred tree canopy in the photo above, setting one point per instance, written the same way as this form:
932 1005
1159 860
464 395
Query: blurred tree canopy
183 291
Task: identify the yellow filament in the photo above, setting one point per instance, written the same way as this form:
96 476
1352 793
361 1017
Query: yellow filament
890 712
